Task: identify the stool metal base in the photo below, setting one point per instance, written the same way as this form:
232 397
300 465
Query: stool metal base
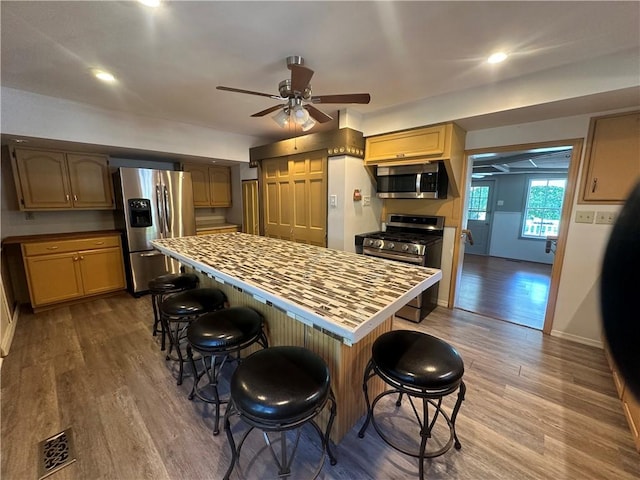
213 361
285 457
426 424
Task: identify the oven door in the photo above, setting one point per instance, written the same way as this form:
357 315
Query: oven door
400 257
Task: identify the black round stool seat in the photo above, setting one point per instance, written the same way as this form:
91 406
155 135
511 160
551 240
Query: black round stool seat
193 302
417 359
225 328
216 336
164 285
424 369
280 385
180 309
276 390
173 282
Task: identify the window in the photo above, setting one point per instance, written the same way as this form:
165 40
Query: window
543 207
478 197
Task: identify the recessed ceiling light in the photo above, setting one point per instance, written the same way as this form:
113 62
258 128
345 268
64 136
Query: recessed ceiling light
150 3
104 76
497 57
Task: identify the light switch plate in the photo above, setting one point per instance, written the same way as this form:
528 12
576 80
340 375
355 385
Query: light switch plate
583 216
333 201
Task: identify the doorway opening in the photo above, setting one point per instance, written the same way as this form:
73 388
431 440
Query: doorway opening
514 212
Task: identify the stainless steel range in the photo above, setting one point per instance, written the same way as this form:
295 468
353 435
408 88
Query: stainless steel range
415 239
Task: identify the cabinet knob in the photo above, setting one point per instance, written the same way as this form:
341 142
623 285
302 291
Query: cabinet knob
594 185
52 248
75 259
75 198
81 257
67 195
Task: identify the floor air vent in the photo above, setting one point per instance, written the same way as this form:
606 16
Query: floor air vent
55 452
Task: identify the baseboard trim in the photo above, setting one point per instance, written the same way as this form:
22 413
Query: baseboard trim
577 339
8 336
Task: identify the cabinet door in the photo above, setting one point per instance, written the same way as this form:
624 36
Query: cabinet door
53 278
90 181
406 145
200 182
42 179
613 158
220 185
102 270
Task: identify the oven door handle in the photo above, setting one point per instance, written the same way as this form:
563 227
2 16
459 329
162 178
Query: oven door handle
392 256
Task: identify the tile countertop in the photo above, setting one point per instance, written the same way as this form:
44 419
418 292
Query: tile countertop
341 293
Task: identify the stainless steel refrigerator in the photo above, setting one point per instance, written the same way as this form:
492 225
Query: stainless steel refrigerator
151 204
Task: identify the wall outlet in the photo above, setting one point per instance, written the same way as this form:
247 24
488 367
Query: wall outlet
583 216
607 218
366 200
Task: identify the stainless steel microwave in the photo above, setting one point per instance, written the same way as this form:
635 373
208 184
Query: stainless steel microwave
428 180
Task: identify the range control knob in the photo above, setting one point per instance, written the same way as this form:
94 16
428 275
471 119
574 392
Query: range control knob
368 242
378 243
391 245
405 248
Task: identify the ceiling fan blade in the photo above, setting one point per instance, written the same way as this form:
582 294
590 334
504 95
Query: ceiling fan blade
345 98
318 115
300 77
239 90
268 110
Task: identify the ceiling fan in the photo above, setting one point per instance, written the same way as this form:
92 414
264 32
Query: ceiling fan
296 92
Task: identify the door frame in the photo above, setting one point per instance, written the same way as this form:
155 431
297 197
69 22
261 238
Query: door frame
567 207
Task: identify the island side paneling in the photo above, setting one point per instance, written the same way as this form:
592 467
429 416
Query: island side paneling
346 363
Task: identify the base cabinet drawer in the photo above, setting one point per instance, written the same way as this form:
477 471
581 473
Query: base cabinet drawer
70 272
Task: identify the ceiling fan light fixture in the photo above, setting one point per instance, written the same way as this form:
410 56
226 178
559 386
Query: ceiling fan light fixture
281 118
300 114
308 125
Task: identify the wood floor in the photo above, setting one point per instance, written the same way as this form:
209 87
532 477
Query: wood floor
511 290
536 407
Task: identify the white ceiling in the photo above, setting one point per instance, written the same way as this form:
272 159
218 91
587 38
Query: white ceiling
168 61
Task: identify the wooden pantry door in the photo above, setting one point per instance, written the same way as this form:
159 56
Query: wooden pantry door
295 198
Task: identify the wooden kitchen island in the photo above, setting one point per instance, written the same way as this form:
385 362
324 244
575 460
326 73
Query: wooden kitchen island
335 303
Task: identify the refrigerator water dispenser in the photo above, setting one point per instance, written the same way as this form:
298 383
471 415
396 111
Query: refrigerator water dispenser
139 212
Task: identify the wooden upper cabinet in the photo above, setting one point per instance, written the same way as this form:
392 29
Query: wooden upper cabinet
90 181
418 143
220 182
42 178
211 185
612 159
52 180
200 182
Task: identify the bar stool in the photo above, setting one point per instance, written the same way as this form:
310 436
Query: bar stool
421 367
164 285
217 336
182 308
276 390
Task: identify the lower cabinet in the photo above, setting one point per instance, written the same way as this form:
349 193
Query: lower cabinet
630 404
59 271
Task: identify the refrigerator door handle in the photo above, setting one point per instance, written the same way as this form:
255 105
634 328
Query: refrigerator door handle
167 210
160 215
155 253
